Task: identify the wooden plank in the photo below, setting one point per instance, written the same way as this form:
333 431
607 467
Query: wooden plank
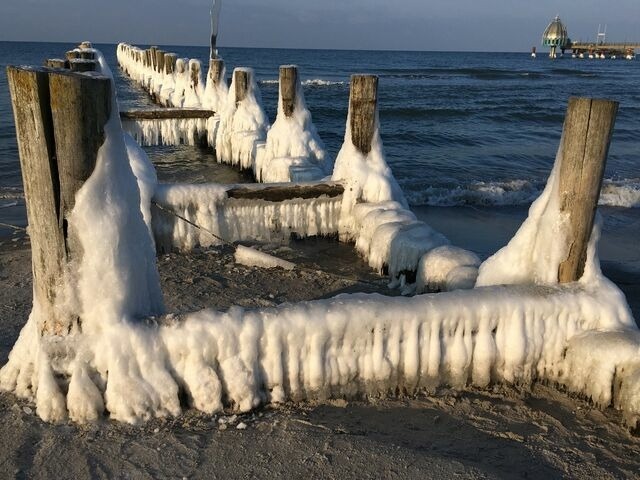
165 113
586 136
363 100
281 192
288 86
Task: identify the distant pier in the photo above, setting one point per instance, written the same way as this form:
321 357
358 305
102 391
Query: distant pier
556 38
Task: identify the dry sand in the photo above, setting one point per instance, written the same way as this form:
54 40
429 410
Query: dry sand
504 432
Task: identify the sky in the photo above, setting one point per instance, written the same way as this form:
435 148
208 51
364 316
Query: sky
440 25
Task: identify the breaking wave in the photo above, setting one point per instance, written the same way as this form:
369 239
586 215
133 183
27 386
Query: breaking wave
615 193
313 82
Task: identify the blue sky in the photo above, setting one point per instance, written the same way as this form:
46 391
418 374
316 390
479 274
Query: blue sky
475 25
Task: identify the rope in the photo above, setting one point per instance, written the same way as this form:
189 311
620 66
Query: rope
228 243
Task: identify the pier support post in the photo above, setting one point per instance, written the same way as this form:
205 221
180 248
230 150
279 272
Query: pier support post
288 83
241 80
363 101
59 118
586 136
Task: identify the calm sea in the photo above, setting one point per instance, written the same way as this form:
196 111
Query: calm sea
478 129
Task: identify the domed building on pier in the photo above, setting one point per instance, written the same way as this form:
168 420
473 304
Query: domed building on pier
555 36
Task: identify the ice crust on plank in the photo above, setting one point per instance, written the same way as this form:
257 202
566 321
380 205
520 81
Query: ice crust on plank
208 206
293 150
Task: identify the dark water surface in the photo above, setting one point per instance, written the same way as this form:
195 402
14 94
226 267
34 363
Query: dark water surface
478 129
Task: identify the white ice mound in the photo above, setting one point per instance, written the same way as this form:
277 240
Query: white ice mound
293 149
447 268
242 125
251 257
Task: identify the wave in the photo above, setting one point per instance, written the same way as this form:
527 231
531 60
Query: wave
615 193
313 82
11 193
318 82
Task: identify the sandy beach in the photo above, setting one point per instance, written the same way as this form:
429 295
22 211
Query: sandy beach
502 432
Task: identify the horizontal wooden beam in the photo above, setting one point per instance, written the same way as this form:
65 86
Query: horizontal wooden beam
281 192
166 113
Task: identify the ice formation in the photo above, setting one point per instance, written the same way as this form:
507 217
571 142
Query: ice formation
255 258
136 365
243 124
293 150
173 131
447 268
535 252
208 206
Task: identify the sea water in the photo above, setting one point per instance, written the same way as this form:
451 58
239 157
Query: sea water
471 137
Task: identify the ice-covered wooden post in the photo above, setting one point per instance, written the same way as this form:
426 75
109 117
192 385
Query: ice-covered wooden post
82 65
71 54
170 63
288 82
152 57
586 136
59 118
194 72
87 55
216 66
241 80
363 100
160 61
55 63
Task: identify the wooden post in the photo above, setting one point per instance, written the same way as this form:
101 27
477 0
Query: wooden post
54 127
87 55
288 86
363 102
55 63
152 54
241 80
194 69
216 67
170 63
160 61
147 58
80 65
71 54
586 136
